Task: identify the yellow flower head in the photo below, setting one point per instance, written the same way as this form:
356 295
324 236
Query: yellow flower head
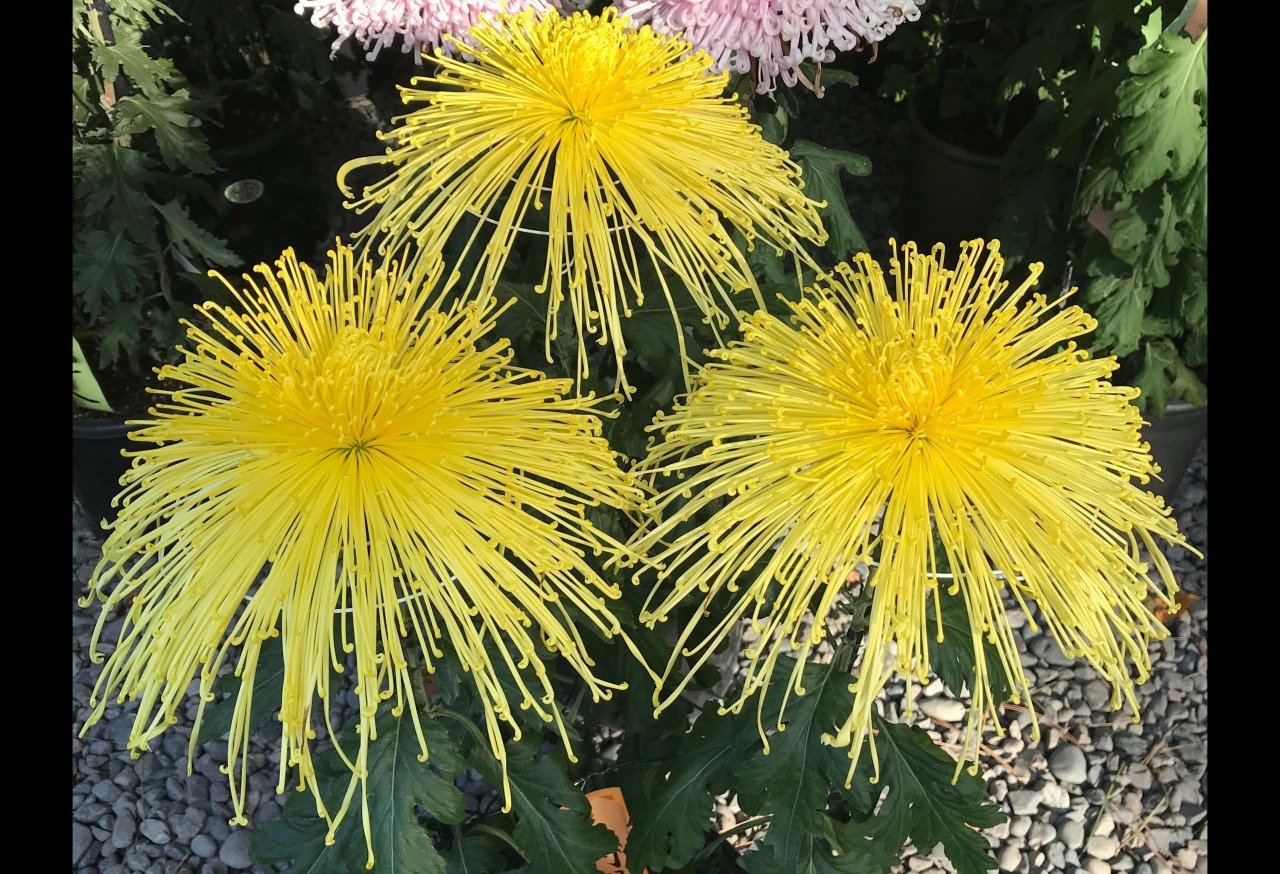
343 467
850 432
629 150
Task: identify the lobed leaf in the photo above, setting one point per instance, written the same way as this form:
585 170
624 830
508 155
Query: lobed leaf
821 171
922 802
174 128
1168 127
953 659
554 830
669 822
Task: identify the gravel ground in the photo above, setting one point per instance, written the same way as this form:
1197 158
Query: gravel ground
1096 794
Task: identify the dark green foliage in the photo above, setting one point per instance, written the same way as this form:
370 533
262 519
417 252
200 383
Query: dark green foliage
822 167
475 854
138 152
1120 136
673 812
792 782
268 683
923 804
554 831
953 659
398 785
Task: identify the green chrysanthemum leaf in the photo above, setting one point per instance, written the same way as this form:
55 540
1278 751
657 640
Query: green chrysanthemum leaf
923 804
1165 132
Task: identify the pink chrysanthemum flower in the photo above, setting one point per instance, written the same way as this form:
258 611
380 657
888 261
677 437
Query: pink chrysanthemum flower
376 24
772 38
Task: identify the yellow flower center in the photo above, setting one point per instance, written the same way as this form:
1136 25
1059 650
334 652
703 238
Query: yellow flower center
918 379
342 398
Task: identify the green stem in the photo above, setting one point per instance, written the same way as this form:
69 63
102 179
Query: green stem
842 661
461 720
162 273
1111 790
1181 21
572 713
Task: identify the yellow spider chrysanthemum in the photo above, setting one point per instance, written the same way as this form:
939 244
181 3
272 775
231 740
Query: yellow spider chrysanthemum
336 447
631 149
843 435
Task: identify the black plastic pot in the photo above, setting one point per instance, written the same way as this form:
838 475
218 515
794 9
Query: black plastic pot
269 195
950 193
1174 439
97 464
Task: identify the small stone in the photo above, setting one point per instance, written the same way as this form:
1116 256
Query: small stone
204 846
122 833
1164 839
217 827
1019 826
188 825
106 790
149 768
1009 859
1047 650
1156 706
197 789
155 831
1194 813
1041 834
1105 825
136 860
235 850
1068 764
89 812
1071 833
175 746
1184 793
1187 857
1139 776
1024 802
1097 866
81 838
1131 744
208 768
1055 797
1102 847
946 709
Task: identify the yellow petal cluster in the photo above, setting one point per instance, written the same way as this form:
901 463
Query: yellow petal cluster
626 150
869 420
343 467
